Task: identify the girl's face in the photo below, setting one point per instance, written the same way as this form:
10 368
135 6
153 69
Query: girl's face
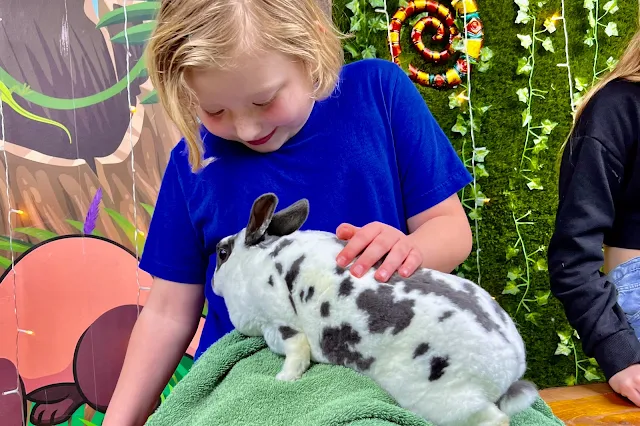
261 103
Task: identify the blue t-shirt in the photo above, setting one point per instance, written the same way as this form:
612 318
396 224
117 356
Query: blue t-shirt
370 152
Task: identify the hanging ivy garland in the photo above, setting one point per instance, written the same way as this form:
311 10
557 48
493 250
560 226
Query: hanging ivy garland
442 21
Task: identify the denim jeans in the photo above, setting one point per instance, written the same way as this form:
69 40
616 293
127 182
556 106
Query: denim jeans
626 278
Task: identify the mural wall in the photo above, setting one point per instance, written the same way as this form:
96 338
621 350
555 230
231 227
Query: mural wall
84 149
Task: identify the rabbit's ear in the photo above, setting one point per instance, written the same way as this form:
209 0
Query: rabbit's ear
260 217
289 220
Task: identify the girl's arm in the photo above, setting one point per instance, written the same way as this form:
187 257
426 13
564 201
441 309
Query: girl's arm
442 235
159 339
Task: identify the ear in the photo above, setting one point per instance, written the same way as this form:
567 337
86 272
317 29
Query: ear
260 217
289 220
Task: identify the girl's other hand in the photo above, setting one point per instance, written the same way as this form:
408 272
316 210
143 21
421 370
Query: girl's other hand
374 241
627 383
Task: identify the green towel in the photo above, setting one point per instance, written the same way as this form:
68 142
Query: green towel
233 383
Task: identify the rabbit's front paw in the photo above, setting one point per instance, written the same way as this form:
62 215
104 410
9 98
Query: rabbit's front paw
293 368
297 358
289 375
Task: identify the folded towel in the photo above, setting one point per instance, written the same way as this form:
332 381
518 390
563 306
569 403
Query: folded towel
233 383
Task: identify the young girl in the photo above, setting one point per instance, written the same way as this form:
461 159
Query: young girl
280 113
600 205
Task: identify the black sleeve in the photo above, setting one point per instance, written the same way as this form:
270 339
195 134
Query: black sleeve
589 184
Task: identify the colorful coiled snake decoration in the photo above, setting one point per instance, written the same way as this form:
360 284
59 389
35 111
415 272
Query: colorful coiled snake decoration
442 21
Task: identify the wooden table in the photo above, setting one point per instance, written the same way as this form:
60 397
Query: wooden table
590 405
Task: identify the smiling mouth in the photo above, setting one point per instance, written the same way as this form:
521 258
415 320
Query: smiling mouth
263 140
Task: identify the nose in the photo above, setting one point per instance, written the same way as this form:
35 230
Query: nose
247 128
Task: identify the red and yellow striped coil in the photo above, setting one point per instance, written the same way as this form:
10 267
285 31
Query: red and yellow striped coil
441 20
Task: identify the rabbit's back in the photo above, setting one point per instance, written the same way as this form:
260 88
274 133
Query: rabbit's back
428 318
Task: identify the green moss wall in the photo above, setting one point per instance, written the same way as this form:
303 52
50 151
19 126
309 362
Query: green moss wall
515 164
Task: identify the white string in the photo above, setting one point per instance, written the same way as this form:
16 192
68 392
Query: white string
596 10
386 14
473 139
133 166
75 127
10 212
567 64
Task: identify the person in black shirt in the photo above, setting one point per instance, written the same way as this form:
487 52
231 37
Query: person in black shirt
598 225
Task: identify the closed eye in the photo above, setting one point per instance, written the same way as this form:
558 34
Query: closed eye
215 114
265 103
270 101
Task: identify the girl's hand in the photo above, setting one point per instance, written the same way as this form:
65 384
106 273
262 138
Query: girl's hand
627 383
374 241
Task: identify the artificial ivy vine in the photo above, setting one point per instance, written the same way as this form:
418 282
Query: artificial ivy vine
535 144
523 260
468 120
528 261
366 20
591 40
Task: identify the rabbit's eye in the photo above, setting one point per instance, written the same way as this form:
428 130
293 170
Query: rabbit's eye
223 254
223 251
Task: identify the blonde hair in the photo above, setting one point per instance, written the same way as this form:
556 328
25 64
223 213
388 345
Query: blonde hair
196 34
627 68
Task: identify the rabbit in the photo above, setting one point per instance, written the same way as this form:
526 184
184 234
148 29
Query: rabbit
439 344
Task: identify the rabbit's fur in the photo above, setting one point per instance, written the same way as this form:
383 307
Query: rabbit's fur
439 344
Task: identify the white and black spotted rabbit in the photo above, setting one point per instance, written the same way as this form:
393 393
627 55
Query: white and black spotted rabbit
439 344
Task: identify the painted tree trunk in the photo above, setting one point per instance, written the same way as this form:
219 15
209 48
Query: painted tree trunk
59 53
